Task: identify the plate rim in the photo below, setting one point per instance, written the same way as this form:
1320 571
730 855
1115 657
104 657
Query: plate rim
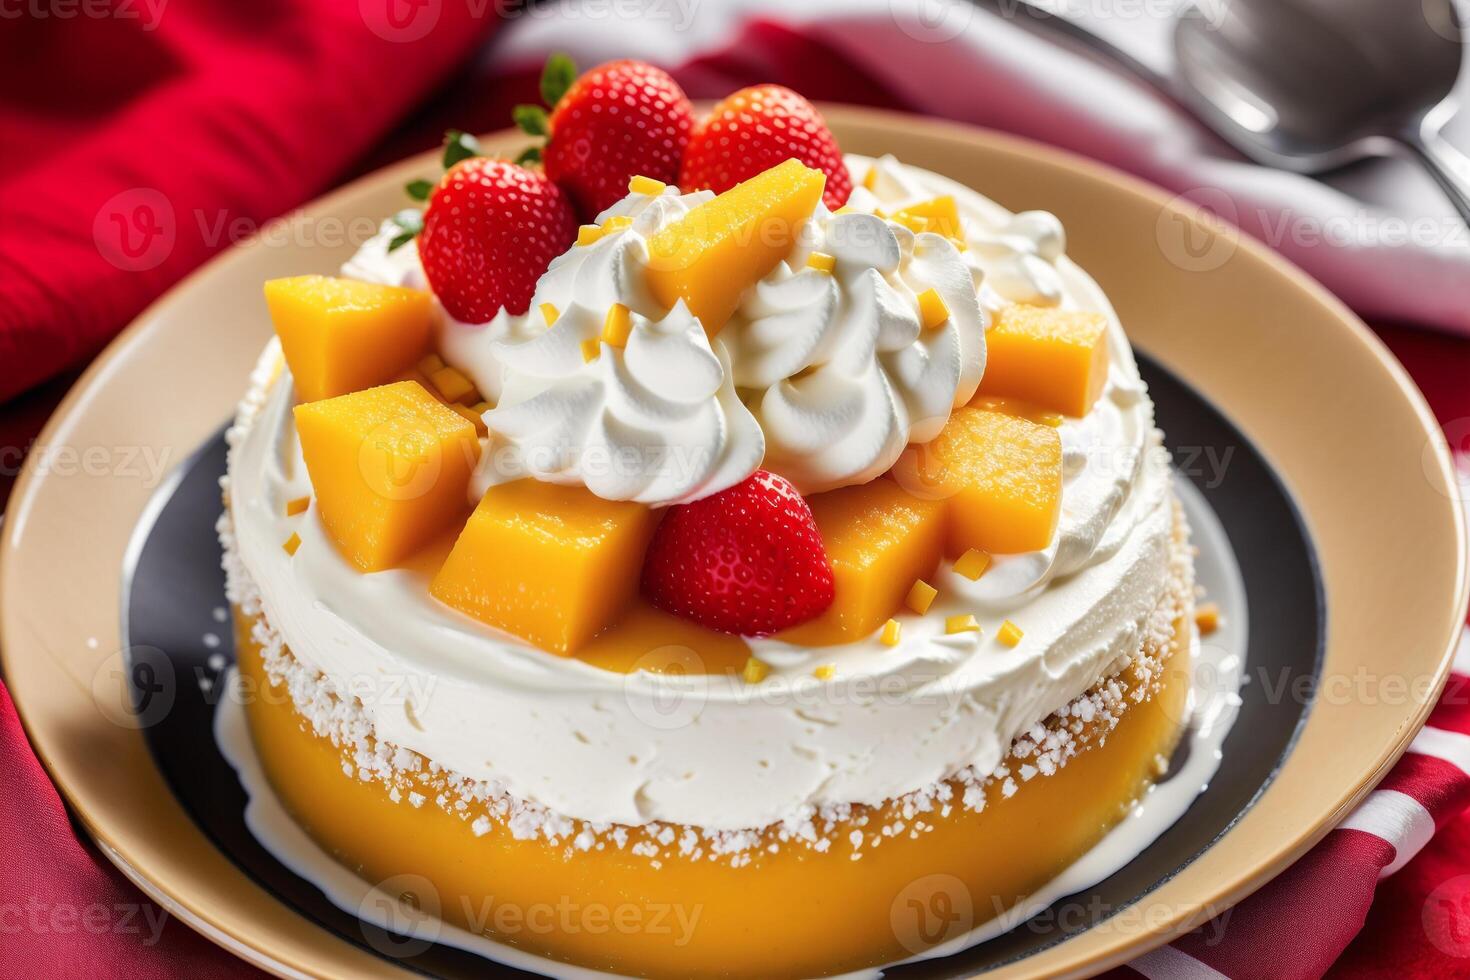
1096 952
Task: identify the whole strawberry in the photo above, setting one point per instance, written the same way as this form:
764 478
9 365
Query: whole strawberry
490 230
615 122
746 560
753 130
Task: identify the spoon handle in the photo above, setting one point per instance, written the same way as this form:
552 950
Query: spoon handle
1449 167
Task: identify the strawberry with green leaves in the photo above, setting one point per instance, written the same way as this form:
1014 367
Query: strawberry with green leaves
488 232
617 121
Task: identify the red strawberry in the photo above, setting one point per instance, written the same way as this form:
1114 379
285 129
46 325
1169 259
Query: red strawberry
755 129
489 232
617 121
746 560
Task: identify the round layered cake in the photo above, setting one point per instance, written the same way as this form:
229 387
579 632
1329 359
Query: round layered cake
723 608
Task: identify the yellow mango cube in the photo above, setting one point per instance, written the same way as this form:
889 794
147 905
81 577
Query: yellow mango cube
1000 475
1054 359
553 565
709 257
341 335
879 539
940 215
390 467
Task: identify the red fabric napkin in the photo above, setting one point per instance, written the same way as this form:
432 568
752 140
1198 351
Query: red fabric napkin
133 147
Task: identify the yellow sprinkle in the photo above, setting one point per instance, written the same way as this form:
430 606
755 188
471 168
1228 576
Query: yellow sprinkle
892 630
932 311
430 363
871 177
292 543
549 313
755 671
1009 633
587 234
451 384
1207 618
297 506
617 325
825 672
961 624
645 185
972 564
1053 419
821 261
591 347
921 596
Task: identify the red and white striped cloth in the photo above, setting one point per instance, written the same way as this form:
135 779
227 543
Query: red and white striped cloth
1300 923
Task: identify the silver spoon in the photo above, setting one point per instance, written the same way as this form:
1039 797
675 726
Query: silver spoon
1309 85
1303 85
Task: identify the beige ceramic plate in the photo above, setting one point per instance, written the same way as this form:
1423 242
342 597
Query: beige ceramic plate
1303 378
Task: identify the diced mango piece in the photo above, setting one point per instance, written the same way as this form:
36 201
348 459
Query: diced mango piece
1055 359
932 309
1000 475
921 596
553 565
617 325
298 506
879 539
1009 633
821 261
755 671
972 564
472 416
892 633
709 257
549 313
939 214
390 467
591 349
292 543
452 385
430 363
1207 618
824 672
341 335
964 623
646 185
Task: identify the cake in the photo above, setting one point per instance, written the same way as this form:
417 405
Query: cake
774 569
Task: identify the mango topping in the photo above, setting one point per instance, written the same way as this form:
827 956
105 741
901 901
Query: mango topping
709 257
451 384
972 564
390 467
932 311
892 633
553 565
549 313
1055 359
755 671
921 596
617 325
825 672
646 185
429 363
965 623
879 538
292 543
821 261
341 335
1009 633
1207 618
591 348
297 506
940 215
1000 476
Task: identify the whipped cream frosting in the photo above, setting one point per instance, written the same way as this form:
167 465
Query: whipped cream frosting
710 750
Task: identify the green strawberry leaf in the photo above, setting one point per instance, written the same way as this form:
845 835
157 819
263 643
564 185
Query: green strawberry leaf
409 221
531 118
459 146
419 190
531 154
558 75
